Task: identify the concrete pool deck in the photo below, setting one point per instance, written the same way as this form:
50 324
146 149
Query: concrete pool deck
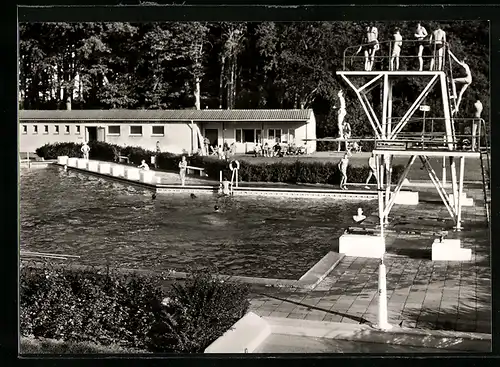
421 293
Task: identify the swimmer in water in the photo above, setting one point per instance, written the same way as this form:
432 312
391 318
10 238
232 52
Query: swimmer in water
216 208
153 197
65 167
193 196
359 217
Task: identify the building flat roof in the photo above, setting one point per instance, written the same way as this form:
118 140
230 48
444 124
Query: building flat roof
166 115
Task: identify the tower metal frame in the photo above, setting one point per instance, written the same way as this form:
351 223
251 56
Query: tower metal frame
388 130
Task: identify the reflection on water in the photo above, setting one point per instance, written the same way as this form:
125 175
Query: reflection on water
103 221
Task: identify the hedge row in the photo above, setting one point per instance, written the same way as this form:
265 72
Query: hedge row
107 308
289 172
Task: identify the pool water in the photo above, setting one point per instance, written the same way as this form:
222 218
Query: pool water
108 222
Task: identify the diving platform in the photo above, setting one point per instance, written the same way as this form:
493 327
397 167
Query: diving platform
428 153
390 73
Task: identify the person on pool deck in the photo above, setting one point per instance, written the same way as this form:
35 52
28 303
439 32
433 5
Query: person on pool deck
144 166
85 150
373 169
341 113
182 170
359 217
478 107
396 49
344 162
420 35
465 81
438 43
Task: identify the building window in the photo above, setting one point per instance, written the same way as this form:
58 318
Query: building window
77 129
159 130
288 137
56 131
35 129
114 130
135 130
274 135
246 135
25 129
66 129
45 129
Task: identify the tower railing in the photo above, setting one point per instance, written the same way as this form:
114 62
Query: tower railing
470 135
353 61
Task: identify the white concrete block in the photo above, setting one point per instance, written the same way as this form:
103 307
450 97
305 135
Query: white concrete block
63 159
406 182
147 176
104 168
244 336
407 198
158 180
117 170
361 245
82 163
72 162
132 174
447 252
93 166
449 243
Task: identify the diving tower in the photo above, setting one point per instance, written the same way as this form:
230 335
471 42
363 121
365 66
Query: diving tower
440 139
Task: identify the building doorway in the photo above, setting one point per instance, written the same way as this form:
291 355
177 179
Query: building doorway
91 133
95 133
213 136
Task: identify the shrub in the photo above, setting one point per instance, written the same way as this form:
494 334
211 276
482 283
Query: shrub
108 308
289 172
52 151
198 311
87 306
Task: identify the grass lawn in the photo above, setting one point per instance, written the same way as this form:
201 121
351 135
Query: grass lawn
472 165
51 346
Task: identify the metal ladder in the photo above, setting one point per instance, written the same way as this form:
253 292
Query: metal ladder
484 155
452 95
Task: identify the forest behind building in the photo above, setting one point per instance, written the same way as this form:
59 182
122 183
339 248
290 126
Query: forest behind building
267 65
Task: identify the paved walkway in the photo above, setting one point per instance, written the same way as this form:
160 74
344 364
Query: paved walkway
421 293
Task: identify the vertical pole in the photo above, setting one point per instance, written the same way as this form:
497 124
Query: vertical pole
389 110
444 171
380 197
220 176
382 298
385 104
454 182
237 176
387 166
460 190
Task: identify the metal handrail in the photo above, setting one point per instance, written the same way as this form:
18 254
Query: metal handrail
389 56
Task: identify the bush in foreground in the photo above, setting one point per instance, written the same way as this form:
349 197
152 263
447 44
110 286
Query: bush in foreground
106 308
198 312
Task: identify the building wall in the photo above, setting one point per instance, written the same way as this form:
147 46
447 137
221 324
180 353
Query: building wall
176 137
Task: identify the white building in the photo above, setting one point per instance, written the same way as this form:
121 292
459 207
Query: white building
176 130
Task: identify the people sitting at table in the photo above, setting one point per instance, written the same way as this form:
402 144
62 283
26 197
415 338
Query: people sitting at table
277 150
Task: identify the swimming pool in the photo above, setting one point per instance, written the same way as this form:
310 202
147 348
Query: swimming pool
103 221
